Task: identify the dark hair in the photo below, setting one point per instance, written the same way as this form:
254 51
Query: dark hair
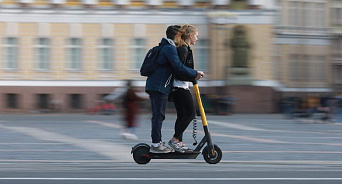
172 31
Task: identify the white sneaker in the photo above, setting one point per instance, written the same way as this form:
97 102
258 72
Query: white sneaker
161 148
186 149
130 136
123 132
176 146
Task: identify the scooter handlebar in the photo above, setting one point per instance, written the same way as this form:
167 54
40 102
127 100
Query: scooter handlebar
194 82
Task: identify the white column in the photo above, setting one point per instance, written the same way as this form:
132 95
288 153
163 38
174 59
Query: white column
75 30
26 1
90 2
154 2
107 30
203 31
257 2
44 29
121 2
11 29
57 1
139 31
186 2
221 2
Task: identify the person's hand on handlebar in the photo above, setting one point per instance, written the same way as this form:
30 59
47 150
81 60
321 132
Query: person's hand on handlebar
200 75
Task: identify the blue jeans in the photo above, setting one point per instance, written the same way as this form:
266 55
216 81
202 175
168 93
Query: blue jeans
158 104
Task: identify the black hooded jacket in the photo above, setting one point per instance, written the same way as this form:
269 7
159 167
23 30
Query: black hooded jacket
186 57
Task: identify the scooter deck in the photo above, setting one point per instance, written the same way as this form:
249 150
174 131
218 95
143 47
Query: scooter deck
174 155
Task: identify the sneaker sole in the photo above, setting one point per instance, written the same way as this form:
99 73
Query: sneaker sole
189 151
153 151
176 149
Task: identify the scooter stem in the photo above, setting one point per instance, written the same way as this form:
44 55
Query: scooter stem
200 106
207 137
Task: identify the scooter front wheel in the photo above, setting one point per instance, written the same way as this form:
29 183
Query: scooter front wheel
214 160
141 154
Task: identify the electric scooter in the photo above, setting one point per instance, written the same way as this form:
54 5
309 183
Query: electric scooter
212 154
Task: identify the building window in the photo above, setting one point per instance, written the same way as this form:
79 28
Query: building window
42 51
320 68
239 4
320 15
106 54
306 68
11 53
12 101
76 101
337 47
43 101
336 16
306 14
139 53
277 61
293 14
74 54
201 54
337 75
294 68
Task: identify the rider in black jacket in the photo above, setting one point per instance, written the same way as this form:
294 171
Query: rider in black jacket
182 97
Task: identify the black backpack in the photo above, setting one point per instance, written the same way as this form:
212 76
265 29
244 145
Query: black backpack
150 64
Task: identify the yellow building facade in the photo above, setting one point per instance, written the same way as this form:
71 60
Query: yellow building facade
67 54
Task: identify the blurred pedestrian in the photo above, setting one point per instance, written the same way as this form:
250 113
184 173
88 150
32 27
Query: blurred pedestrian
313 102
181 94
131 109
159 84
287 107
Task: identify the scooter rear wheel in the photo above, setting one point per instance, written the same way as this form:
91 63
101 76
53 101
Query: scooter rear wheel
214 160
141 155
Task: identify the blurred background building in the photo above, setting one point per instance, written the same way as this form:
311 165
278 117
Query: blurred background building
66 54
336 51
302 49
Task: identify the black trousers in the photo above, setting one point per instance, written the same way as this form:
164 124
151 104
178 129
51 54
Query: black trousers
185 111
158 104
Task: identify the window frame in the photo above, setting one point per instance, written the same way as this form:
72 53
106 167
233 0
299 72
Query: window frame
6 46
43 100
137 60
37 47
198 48
14 103
69 55
101 48
76 104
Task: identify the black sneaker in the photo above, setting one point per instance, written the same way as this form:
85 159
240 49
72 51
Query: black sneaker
176 146
161 148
